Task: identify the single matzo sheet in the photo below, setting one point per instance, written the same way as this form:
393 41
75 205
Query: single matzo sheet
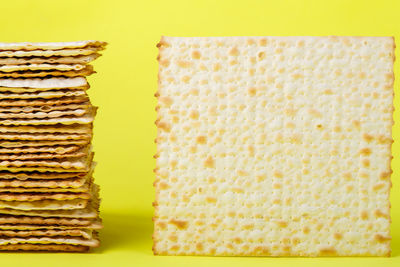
52 60
52 45
274 146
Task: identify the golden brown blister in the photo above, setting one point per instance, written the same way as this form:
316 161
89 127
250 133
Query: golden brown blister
43 102
42 247
87 118
32 74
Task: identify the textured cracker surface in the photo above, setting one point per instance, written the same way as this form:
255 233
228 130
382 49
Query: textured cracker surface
274 146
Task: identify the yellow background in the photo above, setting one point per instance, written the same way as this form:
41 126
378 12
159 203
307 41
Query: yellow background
125 84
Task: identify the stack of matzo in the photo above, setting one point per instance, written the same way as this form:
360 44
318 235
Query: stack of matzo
274 146
48 200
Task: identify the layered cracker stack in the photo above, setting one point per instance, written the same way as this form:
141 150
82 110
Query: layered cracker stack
48 200
274 146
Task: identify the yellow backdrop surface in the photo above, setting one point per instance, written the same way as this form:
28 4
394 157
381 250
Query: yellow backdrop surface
126 81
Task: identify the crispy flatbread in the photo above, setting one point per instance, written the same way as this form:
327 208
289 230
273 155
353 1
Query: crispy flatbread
40 175
42 143
48 83
42 115
69 182
84 233
43 136
39 156
47 247
52 60
44 108
49 240
77 203
81 164
41 150
49 53
43 66
65 120
43 94
74 128
88 70
44 102
28 46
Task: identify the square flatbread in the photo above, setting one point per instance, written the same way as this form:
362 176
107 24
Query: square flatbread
274 146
